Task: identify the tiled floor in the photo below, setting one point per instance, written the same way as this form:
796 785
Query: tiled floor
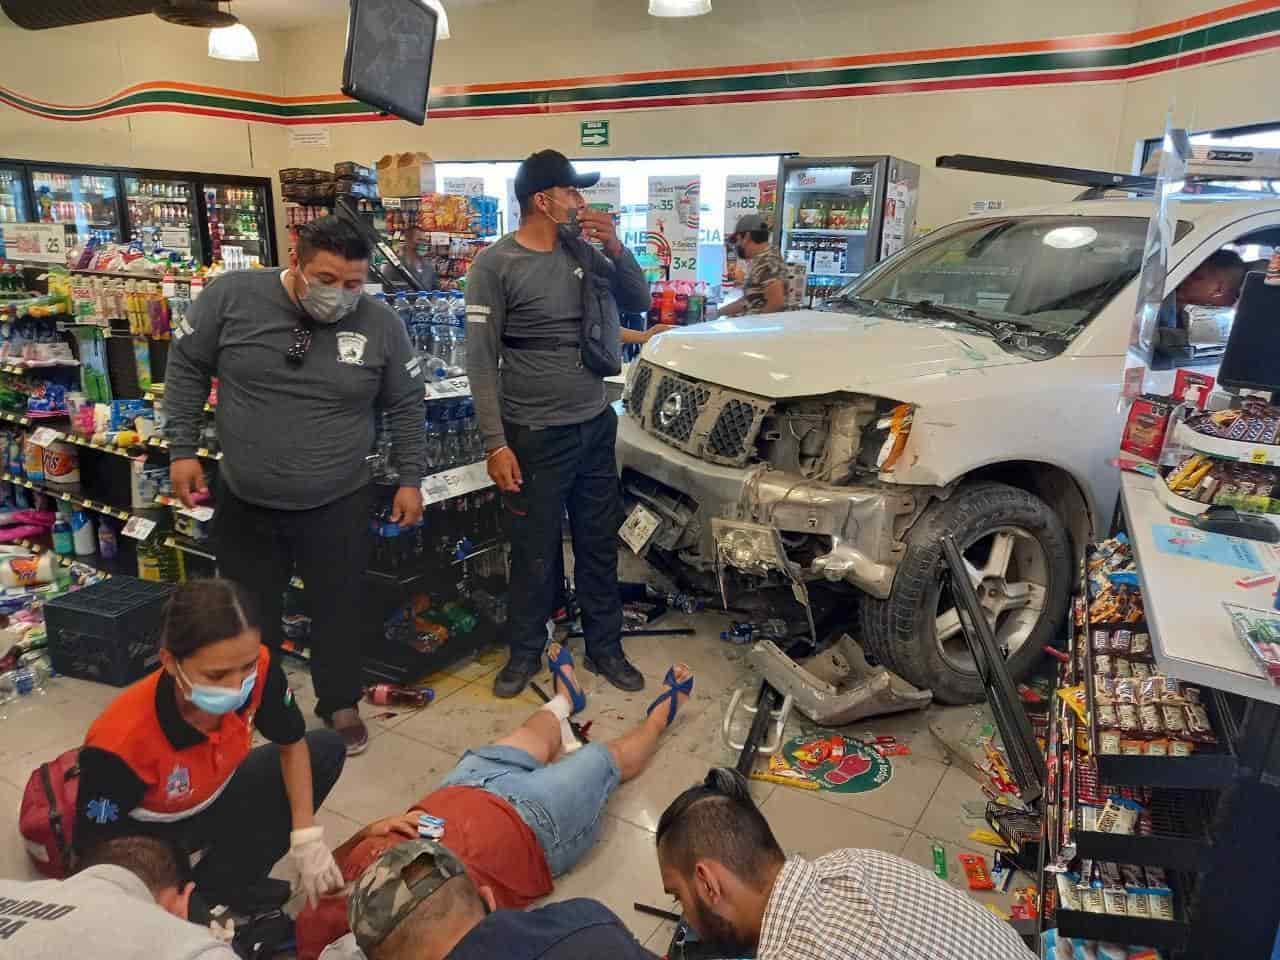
411 751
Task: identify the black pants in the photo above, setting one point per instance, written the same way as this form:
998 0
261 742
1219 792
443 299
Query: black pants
569 467
259 548
246 830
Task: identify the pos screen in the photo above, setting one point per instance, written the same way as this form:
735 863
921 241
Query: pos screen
390 44
1252 358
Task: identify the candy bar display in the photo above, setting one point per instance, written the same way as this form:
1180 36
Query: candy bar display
1253 422
1249 488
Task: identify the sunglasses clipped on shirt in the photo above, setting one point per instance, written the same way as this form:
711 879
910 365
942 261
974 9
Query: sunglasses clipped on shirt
301 343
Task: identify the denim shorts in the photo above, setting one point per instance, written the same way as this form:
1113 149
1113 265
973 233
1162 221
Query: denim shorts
561 802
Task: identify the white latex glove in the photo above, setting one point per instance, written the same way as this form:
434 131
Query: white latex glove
318 872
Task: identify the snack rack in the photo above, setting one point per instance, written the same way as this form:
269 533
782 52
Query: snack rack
1179 796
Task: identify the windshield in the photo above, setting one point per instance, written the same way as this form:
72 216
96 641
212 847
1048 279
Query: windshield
1038 278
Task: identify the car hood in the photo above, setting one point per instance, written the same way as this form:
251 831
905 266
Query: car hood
808 352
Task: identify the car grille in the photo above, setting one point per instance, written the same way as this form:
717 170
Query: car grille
639 387
676 405
705 420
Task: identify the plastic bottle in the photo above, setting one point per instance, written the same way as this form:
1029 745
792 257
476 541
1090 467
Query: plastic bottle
82 534
458 310
108 545
390 695
668 308
404 310
63 542
23 681
454 453
420 330
435 446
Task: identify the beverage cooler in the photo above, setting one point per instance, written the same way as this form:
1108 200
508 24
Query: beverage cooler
839 216
240 221
14 205
205 216
162 214
85 199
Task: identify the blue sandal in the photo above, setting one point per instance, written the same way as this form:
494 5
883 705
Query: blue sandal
673 690
563 659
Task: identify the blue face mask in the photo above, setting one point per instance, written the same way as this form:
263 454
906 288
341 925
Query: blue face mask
219 700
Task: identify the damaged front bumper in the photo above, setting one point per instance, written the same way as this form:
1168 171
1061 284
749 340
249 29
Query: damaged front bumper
836 533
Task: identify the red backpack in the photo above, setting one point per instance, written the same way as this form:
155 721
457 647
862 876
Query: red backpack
48 813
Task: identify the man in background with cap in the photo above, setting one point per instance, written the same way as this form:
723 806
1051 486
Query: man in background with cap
546 420
765 288
416 902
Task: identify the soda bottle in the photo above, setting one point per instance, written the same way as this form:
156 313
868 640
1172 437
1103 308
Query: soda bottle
390 695
435 446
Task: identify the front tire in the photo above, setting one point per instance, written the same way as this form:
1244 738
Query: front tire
1019 559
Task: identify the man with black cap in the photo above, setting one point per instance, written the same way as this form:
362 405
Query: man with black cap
416 902
765 288
546 420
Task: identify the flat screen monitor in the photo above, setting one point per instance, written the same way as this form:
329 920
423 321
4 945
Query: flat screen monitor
1252 358
390 45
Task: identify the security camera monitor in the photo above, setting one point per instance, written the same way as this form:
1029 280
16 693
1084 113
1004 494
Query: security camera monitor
390 45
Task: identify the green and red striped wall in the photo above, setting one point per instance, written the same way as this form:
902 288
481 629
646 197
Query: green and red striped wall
1240 30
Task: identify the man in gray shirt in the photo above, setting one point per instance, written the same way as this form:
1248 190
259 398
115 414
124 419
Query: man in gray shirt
304 362
547 424
128 902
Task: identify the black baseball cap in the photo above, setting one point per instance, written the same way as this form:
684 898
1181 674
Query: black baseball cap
546 169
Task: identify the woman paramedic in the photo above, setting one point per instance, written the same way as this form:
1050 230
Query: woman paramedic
170 757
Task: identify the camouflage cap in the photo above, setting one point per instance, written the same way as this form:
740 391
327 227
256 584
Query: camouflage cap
384 895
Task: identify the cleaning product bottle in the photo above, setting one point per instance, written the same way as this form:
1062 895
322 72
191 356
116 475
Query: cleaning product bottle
82 534
108 545
63 543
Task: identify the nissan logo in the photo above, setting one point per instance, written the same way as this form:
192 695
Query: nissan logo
670 409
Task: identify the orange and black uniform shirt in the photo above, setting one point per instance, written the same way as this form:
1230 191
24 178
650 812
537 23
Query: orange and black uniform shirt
143 768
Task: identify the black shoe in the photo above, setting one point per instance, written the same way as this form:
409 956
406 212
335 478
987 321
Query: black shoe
618 671
514 677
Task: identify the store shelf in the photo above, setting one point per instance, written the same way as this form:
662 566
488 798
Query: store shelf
26 420
457 482
1163 934
1258 453
20 367
160 443
187 545
450 389
71 493
821 232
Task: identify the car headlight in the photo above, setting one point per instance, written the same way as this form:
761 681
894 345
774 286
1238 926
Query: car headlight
896 426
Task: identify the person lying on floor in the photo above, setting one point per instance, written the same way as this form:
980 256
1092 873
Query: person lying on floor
516 813
745 898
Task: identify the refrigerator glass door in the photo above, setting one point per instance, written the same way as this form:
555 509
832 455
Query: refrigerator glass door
13 196
828 213
162 214
237 224
83 198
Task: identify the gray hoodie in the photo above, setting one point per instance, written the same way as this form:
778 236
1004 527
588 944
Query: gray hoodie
104 912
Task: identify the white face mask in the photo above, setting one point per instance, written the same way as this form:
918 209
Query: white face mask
326 305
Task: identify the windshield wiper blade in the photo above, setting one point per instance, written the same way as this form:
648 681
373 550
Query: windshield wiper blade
997 330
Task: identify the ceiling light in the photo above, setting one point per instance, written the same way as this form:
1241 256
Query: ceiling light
679 8
442 24
233 43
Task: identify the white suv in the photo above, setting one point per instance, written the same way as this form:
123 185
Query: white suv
968 385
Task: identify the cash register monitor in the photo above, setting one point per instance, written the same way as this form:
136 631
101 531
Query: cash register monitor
1252 357
390 47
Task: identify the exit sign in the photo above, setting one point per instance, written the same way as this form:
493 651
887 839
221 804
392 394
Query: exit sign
595 133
